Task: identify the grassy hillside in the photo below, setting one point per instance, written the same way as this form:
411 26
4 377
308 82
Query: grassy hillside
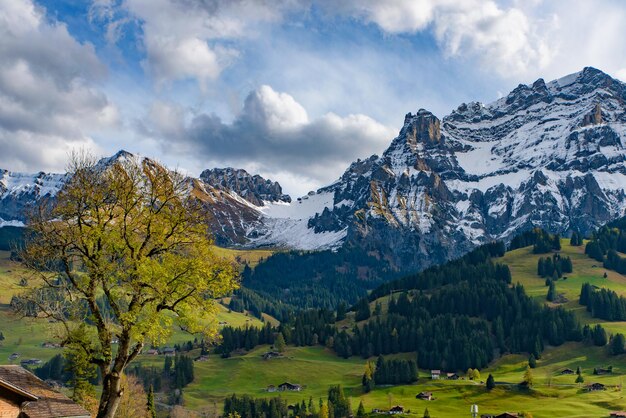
250 257
553 395
523 265
26 335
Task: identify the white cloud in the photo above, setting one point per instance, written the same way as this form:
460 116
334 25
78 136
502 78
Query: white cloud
48 104
393 16
504 39
187 39
274 111
272 135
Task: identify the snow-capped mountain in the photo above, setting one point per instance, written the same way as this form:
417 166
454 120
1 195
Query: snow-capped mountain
18 191
255 189
548 154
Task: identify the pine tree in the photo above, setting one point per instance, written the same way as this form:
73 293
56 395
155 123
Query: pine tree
580 379
340 404
532 361
360 412
341 311
491 383
167 365
150 402
426 413
617 344
551 296
362 310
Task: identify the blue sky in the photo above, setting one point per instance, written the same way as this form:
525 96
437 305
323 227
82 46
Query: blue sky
292 89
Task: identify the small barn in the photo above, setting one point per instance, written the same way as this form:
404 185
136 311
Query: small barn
618 414
396 410
595 387
567 371
286 386
425 396
452 376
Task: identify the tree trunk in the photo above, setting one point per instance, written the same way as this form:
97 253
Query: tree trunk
111 396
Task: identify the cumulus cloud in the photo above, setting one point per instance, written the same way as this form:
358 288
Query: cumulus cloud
47 100
503 39
273 134
187 39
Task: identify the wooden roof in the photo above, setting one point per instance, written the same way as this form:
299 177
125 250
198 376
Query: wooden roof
42 400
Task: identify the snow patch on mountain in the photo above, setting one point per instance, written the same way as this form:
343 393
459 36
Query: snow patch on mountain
301 209
17 224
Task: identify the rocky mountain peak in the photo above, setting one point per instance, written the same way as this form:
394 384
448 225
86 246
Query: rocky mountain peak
253 188
422 128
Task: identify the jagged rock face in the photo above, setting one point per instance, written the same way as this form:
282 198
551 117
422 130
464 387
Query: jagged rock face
255 189
548 154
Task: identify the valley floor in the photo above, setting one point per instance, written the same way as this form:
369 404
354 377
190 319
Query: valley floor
316 368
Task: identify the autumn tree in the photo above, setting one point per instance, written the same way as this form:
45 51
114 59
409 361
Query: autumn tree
528 378
323 411
280 343
132 404
121 255
368 377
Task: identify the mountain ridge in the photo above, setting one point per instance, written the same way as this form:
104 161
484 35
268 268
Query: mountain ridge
547 155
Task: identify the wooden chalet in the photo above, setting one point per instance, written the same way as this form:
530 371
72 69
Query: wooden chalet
435 374
396 410
618 414
24 395
595 387
286 386
425 396
452 376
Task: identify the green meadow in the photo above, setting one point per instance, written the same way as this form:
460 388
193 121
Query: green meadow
316 368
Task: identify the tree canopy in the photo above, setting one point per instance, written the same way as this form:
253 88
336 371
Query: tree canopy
121 254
